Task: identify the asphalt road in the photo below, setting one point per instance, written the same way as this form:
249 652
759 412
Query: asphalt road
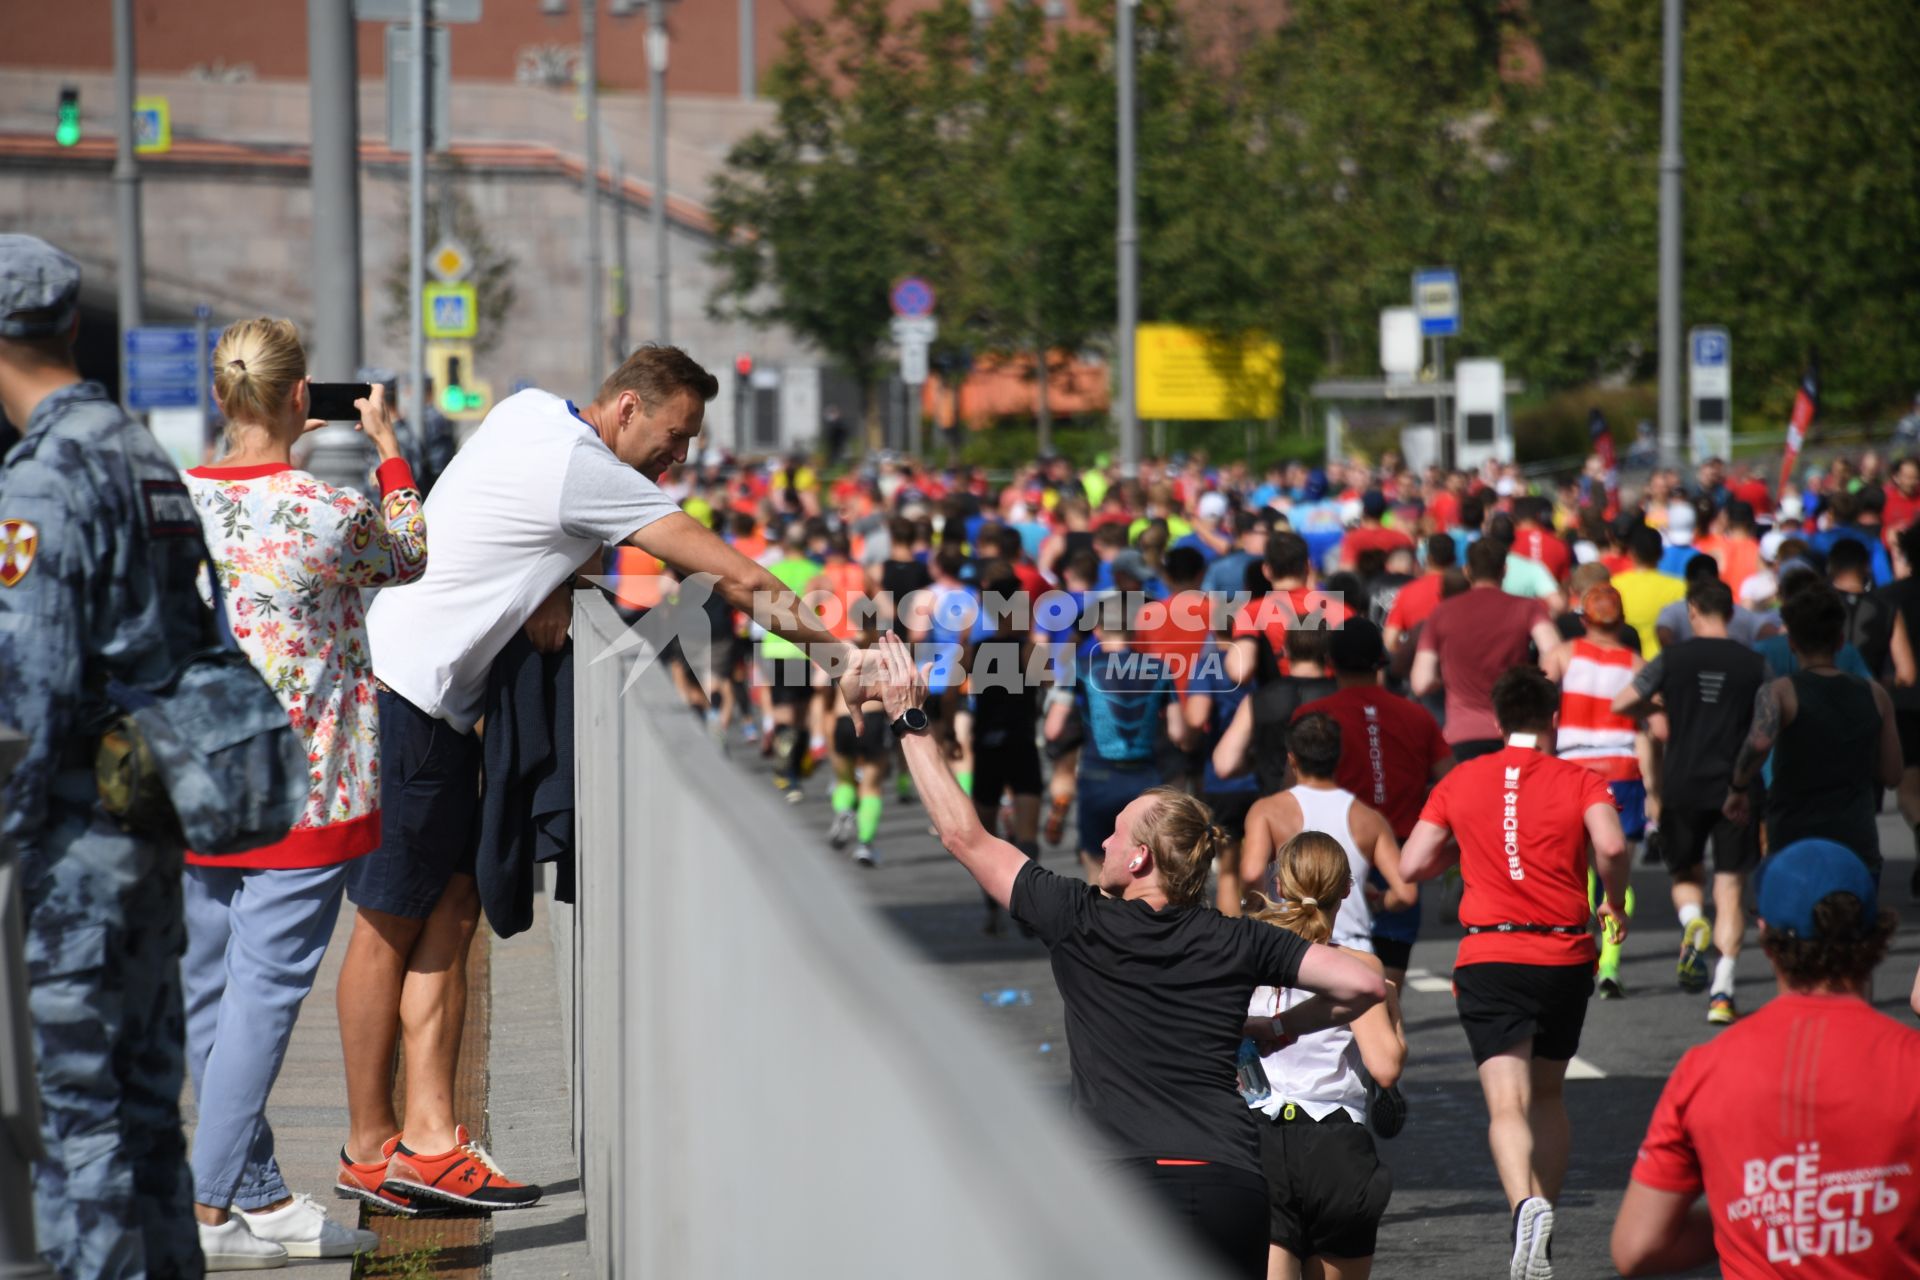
1448 1219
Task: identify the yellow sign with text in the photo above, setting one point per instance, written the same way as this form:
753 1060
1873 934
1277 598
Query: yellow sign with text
1198 375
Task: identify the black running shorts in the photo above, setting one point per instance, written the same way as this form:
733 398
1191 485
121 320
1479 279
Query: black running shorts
790 681
1502 1005
1684 834
1005 760
1326 1187
871 741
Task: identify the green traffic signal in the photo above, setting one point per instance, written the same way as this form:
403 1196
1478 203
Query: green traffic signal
67 131
453 399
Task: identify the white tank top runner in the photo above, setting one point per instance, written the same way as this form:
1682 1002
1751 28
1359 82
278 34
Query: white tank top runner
1319 1072
1331 811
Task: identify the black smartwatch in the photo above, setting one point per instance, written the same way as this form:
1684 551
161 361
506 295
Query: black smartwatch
912 720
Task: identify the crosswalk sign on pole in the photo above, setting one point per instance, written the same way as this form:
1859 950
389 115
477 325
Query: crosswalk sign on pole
452 311
152 126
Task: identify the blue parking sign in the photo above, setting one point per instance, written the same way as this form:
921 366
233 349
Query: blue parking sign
1709 347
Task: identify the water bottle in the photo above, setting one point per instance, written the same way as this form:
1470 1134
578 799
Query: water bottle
1252 1074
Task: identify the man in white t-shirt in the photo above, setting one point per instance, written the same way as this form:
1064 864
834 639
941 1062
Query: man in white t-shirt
529 503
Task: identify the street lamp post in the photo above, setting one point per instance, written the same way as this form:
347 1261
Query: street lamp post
1671 168
126 183
657 122
1129 249
590 97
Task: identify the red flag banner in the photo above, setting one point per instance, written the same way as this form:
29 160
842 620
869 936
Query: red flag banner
1806 405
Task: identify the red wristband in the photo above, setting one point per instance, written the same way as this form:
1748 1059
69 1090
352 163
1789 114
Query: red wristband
394 474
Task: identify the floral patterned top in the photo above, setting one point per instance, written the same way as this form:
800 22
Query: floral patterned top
292 554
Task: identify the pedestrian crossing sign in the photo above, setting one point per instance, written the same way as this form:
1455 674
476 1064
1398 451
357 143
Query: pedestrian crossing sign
451 311
152 126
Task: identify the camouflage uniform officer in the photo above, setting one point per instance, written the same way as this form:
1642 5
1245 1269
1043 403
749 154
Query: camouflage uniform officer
99 551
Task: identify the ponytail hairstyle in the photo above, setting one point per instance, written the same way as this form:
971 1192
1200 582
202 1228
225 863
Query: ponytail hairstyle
1179 832
255 368
1313 878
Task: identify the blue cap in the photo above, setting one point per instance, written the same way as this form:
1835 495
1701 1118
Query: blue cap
39 288
1792 882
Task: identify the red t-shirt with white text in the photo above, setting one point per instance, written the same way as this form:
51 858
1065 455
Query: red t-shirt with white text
1520 818
1540 546
1801 1123
1388 747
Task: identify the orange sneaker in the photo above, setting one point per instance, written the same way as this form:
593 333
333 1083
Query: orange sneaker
368 1182
465 1176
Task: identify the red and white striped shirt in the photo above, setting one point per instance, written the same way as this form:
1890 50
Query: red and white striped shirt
1590 733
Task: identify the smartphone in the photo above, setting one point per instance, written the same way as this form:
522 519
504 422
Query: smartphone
333 401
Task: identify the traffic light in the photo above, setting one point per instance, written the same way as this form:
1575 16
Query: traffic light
458 393
743 364
67 131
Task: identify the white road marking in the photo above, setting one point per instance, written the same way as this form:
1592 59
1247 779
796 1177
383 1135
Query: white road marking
1581 1069
1423 980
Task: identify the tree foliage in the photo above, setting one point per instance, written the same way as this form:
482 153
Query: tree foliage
1291 178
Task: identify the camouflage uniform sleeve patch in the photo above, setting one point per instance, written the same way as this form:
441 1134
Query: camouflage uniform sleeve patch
19 543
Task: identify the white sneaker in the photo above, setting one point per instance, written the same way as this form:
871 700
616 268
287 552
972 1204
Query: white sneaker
842 830
1532 1241
304 1230
865 856
231 1247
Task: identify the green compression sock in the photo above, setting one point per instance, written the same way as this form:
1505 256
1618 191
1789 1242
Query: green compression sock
843 794
869 823
966 782
903 784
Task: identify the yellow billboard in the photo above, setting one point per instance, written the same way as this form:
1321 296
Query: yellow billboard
1186 374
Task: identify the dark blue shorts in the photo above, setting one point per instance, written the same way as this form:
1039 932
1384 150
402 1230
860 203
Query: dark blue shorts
1102 791
1632 799
429 812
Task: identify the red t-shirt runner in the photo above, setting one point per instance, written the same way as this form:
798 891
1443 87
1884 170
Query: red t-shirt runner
1371 538
1520 818
1388 747
1802 1126
1176 632
1542 547
1416 602
1278 612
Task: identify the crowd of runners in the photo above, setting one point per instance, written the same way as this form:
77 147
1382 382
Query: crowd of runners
1370 679
1272 705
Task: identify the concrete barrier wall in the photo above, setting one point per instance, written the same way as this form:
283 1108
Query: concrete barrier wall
766 1082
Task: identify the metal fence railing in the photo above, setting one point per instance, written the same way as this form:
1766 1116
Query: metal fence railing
766 1082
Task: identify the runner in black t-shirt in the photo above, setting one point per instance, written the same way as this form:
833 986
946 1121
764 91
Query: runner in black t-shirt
1156 987
1005 728
1257 734
1707 686
901 575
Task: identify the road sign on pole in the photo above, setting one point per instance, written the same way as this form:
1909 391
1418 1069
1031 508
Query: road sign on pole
920 329
913 363
450 262
1436 300
1710 392
403 87
398 11
912 297
451 311
152 126
1399 343
163 370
